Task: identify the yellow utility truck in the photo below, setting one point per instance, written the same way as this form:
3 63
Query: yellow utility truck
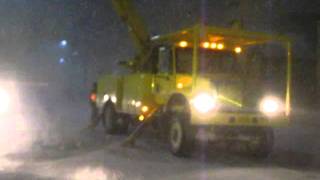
199 82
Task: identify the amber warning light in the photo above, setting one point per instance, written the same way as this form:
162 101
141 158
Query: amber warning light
93 97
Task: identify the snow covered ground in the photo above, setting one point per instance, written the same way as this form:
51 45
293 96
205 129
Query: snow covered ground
104 158
68 153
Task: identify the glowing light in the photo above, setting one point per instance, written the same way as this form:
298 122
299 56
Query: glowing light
7 164
145 109
180 85
63 43
204 102
19 131
185 80
93 97
133 102
106 98
4 101
213 45
238 50
114 99
16 132
138 104
220 46
183 44
141 117
61 60
270 106
206 45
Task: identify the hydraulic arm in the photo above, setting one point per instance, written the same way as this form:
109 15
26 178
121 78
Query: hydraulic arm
138 31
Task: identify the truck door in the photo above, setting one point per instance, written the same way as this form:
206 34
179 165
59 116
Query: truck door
164 79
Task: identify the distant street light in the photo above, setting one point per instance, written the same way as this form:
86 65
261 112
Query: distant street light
63 43
61 60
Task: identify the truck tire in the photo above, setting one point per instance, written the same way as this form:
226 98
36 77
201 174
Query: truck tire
123 123
180 136
262 146
109 118
181 133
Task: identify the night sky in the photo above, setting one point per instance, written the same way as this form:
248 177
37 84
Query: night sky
30 31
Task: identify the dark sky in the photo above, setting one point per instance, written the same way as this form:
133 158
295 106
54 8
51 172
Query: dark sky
30 30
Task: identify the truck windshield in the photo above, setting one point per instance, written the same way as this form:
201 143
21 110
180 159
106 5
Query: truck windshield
210 62
184 60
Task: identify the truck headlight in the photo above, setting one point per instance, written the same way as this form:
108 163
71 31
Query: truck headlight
271 106
204 102
4 101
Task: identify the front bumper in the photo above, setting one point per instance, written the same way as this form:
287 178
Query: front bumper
239 119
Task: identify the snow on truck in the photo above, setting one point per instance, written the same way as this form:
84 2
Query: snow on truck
206 78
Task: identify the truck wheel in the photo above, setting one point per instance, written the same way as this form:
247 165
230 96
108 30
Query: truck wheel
123 123
262 145
181 133
180 136
110 118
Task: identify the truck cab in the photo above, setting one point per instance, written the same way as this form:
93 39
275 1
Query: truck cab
208 78
221 84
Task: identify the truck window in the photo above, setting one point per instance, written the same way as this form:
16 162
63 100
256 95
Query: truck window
165 63
210 62
151 66
184 61
217 62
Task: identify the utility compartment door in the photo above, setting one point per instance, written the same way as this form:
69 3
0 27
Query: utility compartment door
136 92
